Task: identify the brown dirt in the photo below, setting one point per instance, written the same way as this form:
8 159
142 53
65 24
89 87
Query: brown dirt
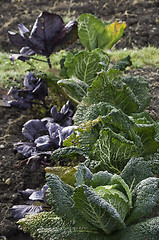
142 29
140 16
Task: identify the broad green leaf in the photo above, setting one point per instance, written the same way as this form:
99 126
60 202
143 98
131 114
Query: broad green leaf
67 152
115 198
96 210
108 87
112 35
140 168
147 230
83 175
127 93
113 151
74 88
66 174
94 34
86 65
123 63
87 113
140 87
89 30
122 186
146 197
48 226
147 133
60 197
101 178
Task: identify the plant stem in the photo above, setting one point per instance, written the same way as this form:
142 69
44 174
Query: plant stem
49 63
40 60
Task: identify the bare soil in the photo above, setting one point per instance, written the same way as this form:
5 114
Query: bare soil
142 29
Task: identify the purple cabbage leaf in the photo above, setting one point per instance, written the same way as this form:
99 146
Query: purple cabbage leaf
30 196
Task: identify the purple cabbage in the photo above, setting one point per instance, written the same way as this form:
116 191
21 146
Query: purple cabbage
49 34
35 89
46 135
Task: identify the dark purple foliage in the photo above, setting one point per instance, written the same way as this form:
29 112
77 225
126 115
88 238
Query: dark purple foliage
33 129
19 211
49 33
46 135
64 117
35 89
30 196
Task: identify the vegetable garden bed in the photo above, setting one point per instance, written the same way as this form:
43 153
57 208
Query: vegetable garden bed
15 174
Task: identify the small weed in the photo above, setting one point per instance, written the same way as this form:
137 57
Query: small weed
144 57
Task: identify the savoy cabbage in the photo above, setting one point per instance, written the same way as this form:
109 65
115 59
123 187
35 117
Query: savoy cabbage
99 206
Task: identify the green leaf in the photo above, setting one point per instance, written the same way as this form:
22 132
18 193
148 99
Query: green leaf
60 197
66 174
147 230
74 88
140 87
123 64
96 210
113 150
65 62
94 34
86 65
127 93
122 186
101 178
83 175
48 226
70 152
146 196
115 198
147 133
108 87
87 113
89 30
140 168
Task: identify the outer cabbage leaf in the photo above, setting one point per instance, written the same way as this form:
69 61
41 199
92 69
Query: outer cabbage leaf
146 196
66 174
83 175
110 87
122 186
86 113
48 226
60 196
85 65
115 198
101 178
71 152
148 133
96 210
75 88
141 231
140 87
140 168
113 151
93 33
89 30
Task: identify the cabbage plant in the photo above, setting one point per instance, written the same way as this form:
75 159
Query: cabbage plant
98 206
